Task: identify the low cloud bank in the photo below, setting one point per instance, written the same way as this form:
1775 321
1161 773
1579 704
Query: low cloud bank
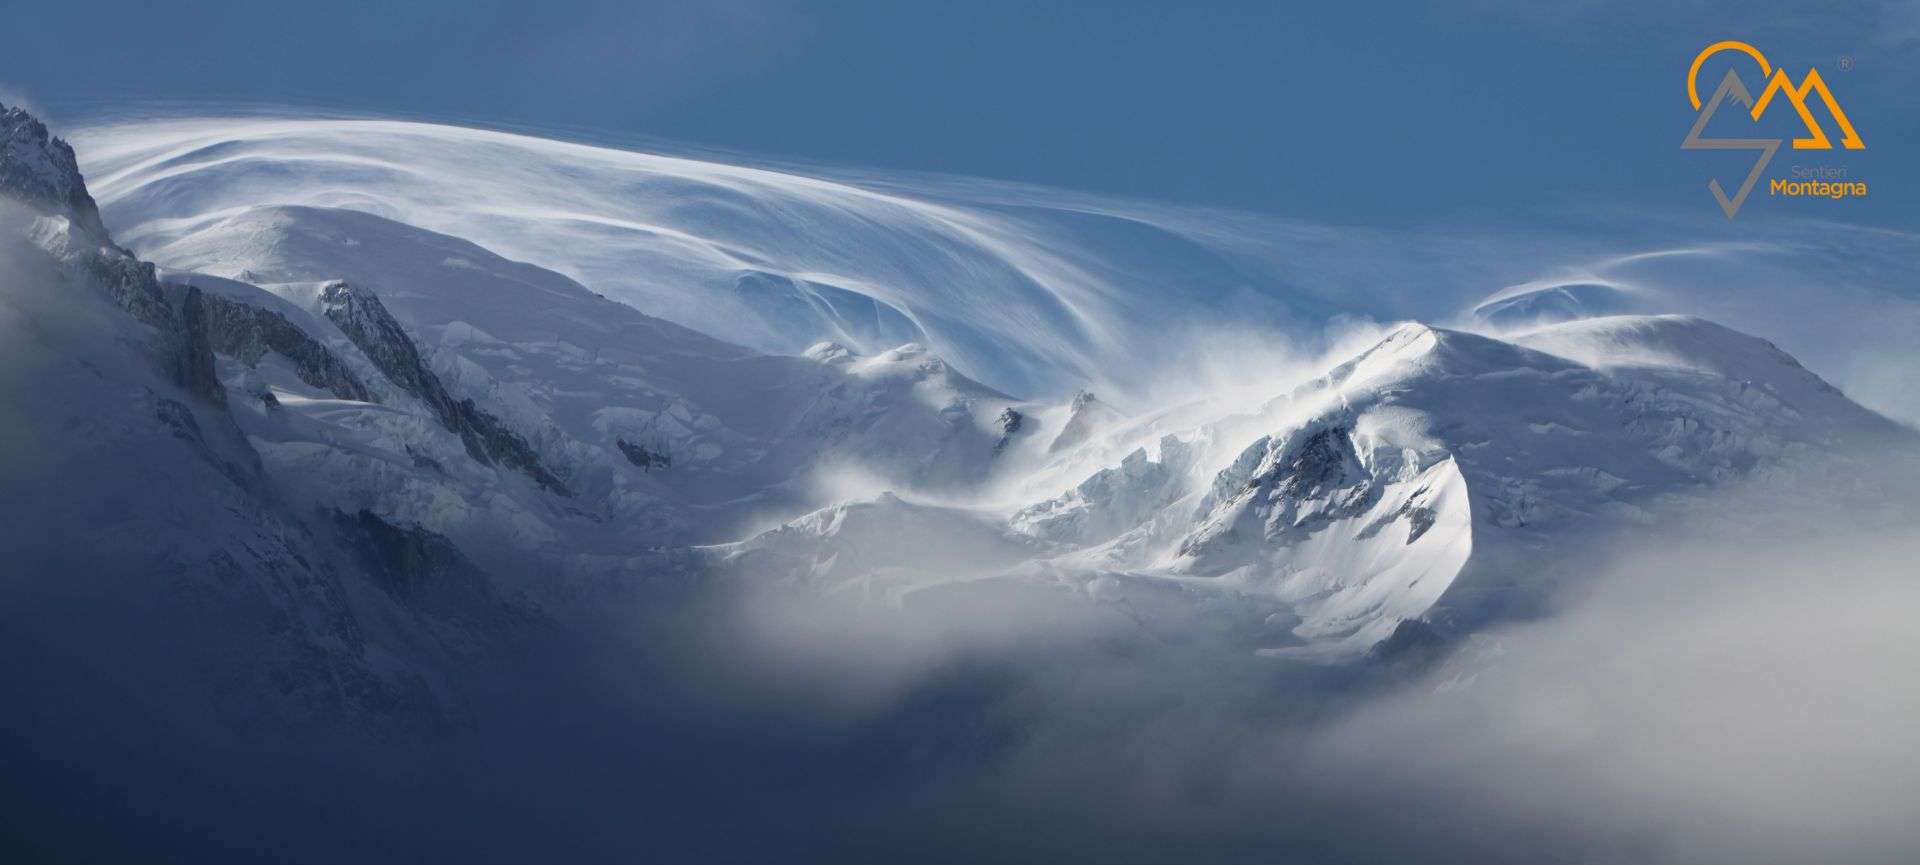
1732 687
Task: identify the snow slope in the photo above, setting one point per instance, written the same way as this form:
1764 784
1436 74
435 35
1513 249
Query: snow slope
1437 477
654 432
1433 471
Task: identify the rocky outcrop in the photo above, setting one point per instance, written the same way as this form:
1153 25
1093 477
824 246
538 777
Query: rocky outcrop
643 456
1277 492
197 371
426 574
1011 421
1297 486
1321 466
365 320
39 170
248 333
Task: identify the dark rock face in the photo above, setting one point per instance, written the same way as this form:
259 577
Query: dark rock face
131 283
365 320
641 456
197 371
185 347
39 170
425 574
227 593
1419 520
247 333
1316 468
1010 423
1413 646
1299 487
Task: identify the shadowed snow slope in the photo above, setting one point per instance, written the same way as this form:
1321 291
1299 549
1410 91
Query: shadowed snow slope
146 541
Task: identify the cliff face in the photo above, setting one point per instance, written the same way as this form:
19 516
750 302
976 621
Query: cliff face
39 170
365 320
249 333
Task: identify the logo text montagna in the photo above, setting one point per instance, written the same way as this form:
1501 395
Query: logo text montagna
1779 87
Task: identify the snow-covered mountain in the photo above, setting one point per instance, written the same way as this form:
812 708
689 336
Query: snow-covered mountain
1037 299
1032 291
419 448
640 430
136 502
1436 478
1428 477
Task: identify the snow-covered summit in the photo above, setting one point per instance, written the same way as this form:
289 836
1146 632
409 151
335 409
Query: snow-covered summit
1026 291
1435 475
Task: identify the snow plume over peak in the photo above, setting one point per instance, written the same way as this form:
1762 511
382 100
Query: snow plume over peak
1681 342
1028 294
1033 291
1535 304
773 260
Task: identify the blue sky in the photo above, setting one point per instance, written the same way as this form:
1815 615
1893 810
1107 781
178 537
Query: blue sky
1485 111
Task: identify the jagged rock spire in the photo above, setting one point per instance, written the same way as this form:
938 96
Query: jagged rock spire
40 171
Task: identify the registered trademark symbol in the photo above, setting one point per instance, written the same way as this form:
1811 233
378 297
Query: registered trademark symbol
1846 63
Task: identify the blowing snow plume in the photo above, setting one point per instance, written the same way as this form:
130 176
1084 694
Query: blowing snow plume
1035 291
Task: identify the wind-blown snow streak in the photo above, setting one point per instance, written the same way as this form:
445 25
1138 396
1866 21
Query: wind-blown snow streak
773 260
1034 291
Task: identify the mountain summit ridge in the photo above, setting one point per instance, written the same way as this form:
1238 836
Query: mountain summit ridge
40 169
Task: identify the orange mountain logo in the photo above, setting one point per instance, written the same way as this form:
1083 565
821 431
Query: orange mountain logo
1778 84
